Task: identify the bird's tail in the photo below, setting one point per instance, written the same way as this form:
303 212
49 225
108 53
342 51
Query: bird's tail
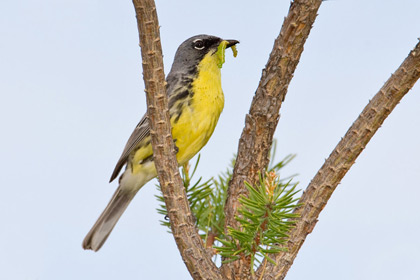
109 217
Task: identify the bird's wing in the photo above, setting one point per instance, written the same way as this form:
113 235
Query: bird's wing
141 131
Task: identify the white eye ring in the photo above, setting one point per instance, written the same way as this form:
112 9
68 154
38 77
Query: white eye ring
198 44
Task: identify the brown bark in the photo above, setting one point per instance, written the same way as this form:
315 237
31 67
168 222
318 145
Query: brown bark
186 236
342 158
256 139
261 122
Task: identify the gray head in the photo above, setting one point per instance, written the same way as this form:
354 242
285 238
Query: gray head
192 51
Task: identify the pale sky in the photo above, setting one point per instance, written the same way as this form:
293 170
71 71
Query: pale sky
72 92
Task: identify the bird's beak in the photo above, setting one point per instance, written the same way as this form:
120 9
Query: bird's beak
231 43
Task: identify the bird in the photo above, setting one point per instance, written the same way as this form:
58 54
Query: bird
195 102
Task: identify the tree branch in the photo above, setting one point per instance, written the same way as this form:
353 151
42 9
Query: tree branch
183 227
261 122
342 158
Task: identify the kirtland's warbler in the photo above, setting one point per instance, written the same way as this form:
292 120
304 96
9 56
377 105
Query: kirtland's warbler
195 102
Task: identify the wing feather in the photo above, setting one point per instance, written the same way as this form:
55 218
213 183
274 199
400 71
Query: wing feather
141 131
175 84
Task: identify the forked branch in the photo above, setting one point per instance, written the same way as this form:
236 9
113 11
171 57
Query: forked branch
256 139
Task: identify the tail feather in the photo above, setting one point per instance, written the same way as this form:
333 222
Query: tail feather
109 217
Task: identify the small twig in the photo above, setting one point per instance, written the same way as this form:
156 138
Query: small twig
210 239
342 158
263 266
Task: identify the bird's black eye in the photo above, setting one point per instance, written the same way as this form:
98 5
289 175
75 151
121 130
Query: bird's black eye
198 44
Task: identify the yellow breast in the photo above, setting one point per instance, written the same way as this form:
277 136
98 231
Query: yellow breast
198 120
192 129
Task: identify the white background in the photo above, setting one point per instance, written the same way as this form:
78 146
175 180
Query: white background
71 93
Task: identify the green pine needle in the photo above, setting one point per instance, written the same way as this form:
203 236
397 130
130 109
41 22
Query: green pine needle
265 215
